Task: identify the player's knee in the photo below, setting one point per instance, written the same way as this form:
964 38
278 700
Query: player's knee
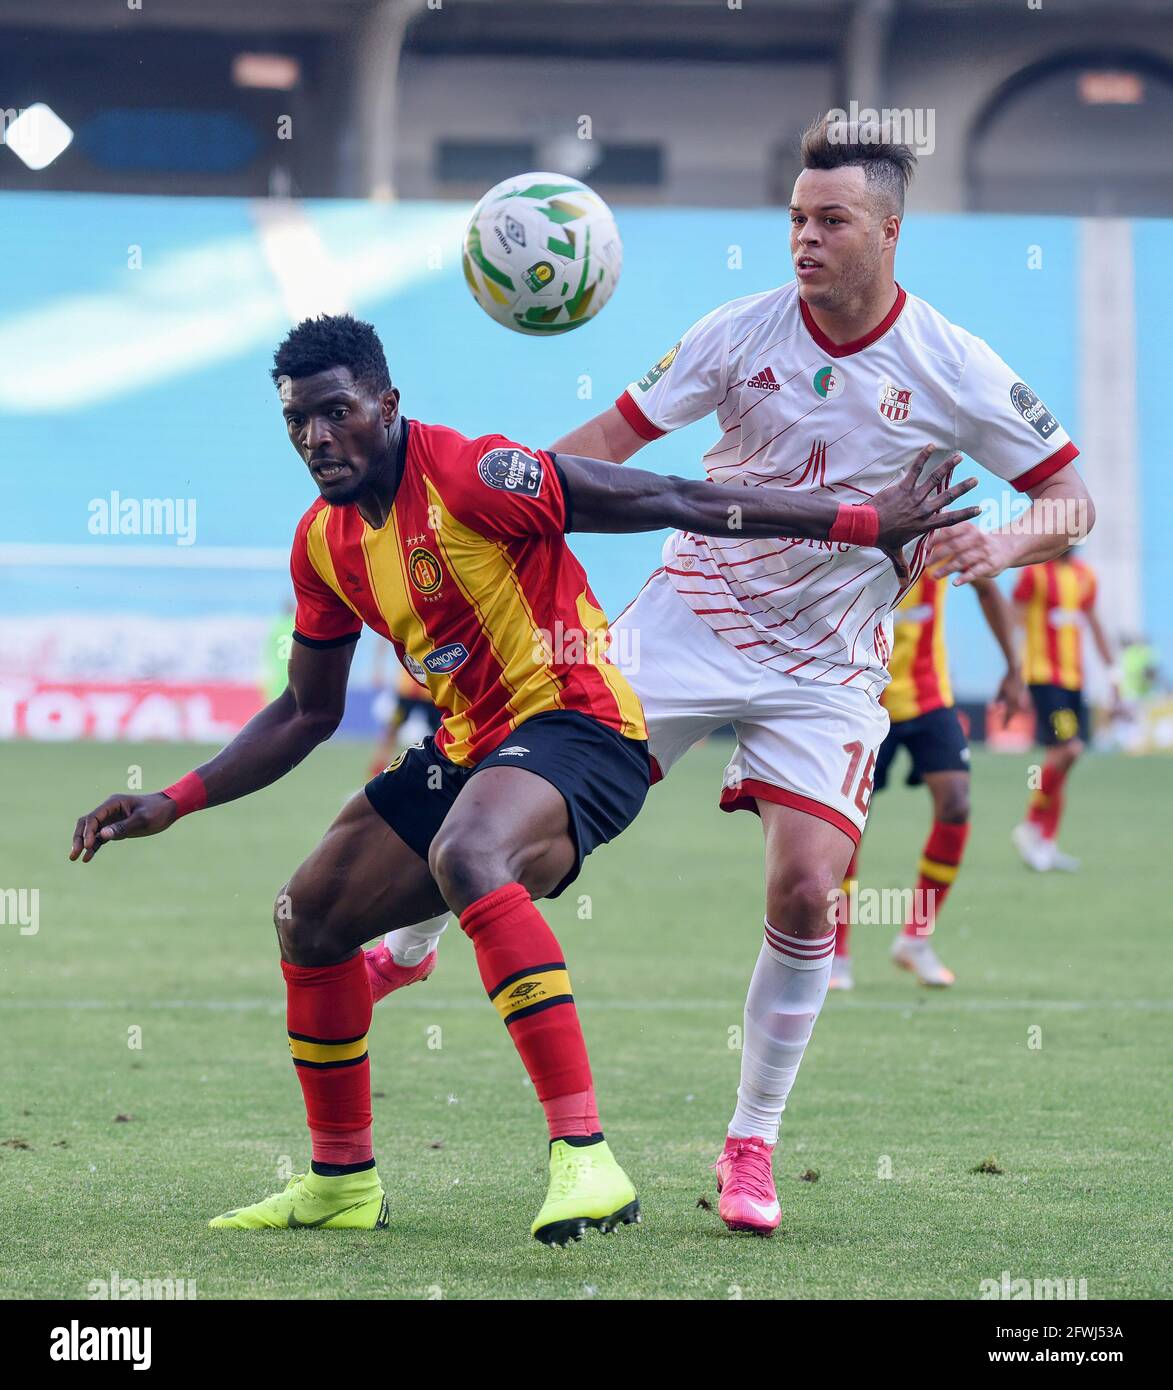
466 865
800 900
952 806
302 918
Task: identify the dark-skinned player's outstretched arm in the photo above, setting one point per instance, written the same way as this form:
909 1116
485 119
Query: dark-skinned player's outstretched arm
604 498
271 744
601 498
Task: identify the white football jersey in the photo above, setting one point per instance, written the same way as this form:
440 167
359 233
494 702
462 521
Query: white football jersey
798 411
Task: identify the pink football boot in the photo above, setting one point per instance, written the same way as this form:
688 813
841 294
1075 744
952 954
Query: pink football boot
745 1185
385 976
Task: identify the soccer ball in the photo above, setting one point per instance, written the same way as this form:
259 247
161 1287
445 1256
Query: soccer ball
542 253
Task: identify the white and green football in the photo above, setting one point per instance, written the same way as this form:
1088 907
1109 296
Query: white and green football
542 253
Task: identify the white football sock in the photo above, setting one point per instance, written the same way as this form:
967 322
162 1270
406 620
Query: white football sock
409 945
785 995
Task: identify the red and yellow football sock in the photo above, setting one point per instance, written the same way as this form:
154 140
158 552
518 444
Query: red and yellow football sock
939 864
329 1012
843 914
1045 808
523 971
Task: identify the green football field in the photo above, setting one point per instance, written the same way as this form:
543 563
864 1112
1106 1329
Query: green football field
147 1085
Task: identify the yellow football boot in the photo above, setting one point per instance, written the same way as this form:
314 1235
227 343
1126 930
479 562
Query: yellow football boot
588 1189
353 1201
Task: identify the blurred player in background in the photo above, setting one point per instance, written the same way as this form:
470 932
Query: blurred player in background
276 653
823 386
413 715
919 701
1054 602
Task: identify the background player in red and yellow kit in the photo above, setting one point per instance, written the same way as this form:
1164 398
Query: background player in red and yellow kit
919 701
412 716
453 549
1054 602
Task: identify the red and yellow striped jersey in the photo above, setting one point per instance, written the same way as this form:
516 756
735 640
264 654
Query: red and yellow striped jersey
472 580
1057 594
919 664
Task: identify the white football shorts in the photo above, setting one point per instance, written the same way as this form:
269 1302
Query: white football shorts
803 744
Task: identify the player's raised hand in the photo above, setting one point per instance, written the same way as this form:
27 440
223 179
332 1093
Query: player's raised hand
121 817
969 553
908 509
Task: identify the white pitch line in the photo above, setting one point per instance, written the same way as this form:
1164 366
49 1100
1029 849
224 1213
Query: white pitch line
431 1005
213 557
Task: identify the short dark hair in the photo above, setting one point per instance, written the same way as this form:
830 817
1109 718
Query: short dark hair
333 340
888 166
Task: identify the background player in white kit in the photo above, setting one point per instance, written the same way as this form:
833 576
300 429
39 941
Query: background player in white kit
832 383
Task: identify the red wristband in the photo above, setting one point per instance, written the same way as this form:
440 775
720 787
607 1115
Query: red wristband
855 525
189 794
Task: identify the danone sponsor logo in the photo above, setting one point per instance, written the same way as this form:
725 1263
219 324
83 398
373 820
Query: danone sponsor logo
444 660
1032 410
645 383
511 470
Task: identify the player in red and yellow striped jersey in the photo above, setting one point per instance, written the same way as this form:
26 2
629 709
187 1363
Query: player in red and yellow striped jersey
919 701
454 550
1054 602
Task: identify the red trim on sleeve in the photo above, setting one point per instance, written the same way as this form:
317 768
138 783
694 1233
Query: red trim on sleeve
1042 471
858 344
745 797
635 417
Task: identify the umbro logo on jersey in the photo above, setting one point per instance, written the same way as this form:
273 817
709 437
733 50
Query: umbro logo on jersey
764 381
514 751
523 989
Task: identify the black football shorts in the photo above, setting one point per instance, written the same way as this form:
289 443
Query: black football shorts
603 777
935 741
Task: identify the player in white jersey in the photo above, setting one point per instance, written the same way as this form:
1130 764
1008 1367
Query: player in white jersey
831 384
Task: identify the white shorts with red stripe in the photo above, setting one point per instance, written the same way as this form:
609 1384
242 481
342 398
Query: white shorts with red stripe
800 743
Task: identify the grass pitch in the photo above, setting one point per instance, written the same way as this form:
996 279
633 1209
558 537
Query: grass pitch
146 1084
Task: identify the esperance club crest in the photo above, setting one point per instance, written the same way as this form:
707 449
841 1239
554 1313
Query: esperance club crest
895 403
424 569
